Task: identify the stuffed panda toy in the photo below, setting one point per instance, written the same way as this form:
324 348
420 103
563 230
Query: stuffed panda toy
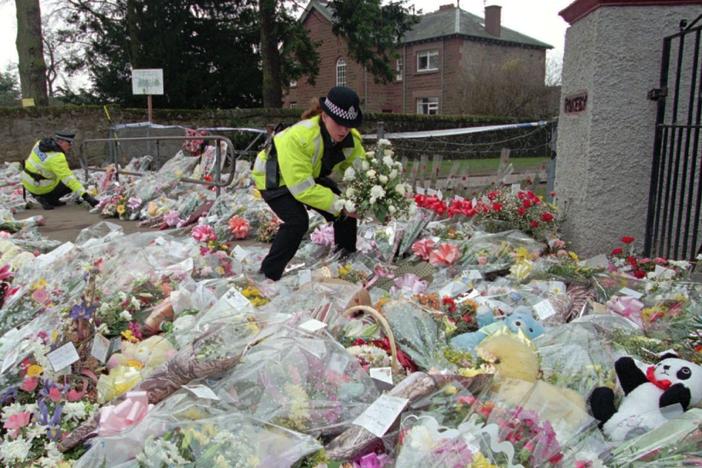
651 397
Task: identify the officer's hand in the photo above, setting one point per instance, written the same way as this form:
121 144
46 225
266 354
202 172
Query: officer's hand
88 198
346 214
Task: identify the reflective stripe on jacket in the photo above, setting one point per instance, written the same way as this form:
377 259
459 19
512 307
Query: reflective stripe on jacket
52 168
299 150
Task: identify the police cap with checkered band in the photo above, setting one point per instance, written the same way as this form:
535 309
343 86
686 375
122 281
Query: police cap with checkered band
343 106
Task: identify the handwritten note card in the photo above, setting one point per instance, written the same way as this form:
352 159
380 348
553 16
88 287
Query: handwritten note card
100 348
62 357
379 416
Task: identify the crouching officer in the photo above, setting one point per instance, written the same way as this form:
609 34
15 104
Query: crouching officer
46 174
292 175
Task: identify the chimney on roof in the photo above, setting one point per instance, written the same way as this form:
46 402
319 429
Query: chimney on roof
493 14
446 7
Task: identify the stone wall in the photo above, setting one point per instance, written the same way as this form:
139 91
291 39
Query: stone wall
612 54
20 128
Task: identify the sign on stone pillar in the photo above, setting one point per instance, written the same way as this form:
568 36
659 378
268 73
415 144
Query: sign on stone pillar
606 124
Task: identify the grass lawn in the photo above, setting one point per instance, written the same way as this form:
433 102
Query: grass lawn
483 166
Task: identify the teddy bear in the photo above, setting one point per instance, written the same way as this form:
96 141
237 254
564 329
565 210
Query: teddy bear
651 397
520 319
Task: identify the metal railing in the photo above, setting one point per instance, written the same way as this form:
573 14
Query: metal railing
231 156
675 194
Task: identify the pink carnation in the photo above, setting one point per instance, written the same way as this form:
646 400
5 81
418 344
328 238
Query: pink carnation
323 235
239 227
204 233
16 422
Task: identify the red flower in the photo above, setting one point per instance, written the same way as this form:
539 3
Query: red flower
534 224
617 251
546 217
628 239
521 210
526 203
450 303
497 206
640 274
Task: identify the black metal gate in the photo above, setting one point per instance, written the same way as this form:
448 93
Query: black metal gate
675 200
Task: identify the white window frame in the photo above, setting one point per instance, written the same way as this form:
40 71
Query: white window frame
428 55
341 71
399 69
293 83
428 105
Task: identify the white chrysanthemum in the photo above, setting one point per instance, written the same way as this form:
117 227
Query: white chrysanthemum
365 166
135 303
125 315
15 451
376 193
350 192
52 457
393 174
400 188
388 153
384 142
74 410
103 329
383 179
122 296
371 174
388 161
349 206
392 209
349 174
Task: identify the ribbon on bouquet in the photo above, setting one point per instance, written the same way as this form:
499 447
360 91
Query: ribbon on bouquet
626 306
115 419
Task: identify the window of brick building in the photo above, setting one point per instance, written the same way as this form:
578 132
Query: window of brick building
293 105
428 105
341 72
398 69
293 83
428 60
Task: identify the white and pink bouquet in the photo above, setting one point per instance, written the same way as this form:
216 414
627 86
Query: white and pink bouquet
375 188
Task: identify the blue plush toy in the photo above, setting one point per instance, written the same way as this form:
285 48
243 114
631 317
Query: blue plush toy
520 319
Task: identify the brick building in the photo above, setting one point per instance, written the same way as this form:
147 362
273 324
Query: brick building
443 61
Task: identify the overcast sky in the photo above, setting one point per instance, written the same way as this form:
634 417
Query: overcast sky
536 18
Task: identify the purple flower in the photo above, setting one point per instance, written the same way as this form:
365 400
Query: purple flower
9 394
82 311
134 203
52 421
171 218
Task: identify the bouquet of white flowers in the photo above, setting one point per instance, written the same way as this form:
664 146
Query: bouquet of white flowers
375 186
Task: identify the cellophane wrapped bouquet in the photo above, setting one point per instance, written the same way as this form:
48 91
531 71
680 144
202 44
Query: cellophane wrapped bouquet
375 186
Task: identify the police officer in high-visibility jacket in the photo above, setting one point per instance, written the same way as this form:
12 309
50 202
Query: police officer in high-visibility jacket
46 173
292 174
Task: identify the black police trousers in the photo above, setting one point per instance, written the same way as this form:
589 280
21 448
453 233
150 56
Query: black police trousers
295 224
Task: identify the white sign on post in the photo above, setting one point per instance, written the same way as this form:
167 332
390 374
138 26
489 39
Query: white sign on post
147 81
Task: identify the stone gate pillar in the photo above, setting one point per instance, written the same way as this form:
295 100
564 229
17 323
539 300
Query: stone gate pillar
606 124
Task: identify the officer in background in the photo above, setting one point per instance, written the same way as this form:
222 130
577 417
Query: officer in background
46 173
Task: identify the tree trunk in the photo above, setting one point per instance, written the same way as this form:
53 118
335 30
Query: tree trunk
32 68
270 55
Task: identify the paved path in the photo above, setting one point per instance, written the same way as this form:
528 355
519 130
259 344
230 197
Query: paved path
65 222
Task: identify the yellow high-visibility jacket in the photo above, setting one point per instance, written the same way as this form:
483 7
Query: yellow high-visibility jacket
300 149
52 168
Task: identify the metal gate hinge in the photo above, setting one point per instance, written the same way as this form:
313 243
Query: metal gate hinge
657 93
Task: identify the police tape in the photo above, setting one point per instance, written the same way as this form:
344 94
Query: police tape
455 131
